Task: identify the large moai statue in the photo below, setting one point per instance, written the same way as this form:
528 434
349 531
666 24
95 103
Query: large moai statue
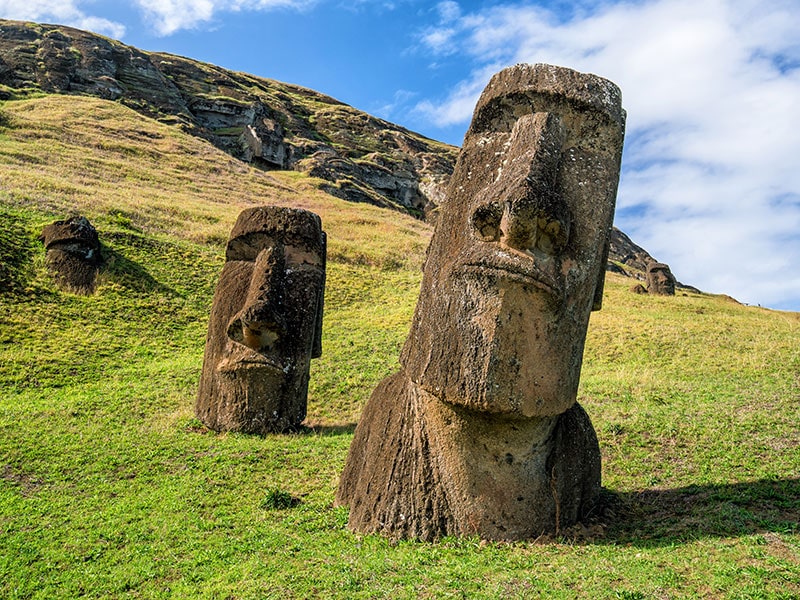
265 324
480 433
73 254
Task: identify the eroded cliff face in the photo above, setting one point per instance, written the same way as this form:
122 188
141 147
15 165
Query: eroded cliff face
272 124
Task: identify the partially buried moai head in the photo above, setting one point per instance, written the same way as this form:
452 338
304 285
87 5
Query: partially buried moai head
265 324
73 254
660 280
518 258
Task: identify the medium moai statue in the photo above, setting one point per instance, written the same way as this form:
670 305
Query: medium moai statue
660 280
265 324
73 254
480 433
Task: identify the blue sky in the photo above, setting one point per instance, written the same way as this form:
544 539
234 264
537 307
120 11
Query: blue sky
711 170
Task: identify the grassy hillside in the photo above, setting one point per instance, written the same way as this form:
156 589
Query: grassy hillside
110 488
363 158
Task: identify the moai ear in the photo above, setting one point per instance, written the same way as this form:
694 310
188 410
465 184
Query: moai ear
316 349
597 303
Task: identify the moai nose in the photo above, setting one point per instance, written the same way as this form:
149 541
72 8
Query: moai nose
526 211
259 325
537 225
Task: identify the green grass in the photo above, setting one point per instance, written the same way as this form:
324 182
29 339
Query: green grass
109 487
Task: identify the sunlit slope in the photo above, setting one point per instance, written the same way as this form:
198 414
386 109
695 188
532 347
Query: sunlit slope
146 183
164 203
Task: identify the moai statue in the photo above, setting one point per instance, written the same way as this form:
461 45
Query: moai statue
265 324
660 280
480 433
73 254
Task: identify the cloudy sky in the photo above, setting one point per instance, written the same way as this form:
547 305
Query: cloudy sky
711 169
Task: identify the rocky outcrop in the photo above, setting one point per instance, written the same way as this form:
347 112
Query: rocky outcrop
271 124
626 258
630 260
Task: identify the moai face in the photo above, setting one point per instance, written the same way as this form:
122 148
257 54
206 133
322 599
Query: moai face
660 280
518 258
265 324
73 254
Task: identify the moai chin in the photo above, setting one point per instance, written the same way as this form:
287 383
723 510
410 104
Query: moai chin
73 254
480 433
660 280
265 324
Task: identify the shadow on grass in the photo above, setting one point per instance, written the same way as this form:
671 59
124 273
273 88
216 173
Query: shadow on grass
327 430
16 252
130 274
664 517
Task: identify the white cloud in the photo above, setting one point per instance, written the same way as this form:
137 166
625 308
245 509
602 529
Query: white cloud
448 11
461 101
169 16
439 40
64 12
711 89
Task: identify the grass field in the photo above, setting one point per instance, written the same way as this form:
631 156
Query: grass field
109 487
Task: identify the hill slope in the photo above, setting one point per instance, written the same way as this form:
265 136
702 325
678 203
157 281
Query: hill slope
109 487
274 125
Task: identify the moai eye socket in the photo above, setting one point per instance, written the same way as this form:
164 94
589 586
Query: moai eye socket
248 246
552 231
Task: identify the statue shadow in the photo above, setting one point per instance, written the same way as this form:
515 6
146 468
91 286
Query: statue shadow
654 518
130 274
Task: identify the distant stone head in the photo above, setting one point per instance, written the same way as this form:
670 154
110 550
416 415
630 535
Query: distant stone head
660 280
73 254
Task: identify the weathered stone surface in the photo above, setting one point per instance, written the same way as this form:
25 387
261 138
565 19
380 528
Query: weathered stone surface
479 433
265 141
73 254
660 280
265 324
